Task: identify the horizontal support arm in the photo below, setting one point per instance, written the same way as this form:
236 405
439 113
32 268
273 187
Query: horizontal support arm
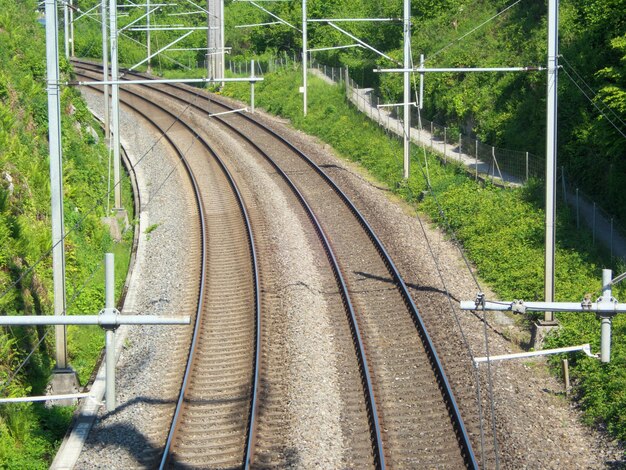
463 69
334 47
521 307
545 352
44 398
161 81
102 320
339 20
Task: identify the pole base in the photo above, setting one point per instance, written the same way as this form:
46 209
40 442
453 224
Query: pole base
63 382
117 224
540 330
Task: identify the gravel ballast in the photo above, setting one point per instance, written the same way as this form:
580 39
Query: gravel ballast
536 426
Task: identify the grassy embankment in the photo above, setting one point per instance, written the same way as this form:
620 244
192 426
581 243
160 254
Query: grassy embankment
30 433
501 230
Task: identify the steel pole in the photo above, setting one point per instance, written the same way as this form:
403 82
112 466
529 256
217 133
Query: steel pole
109 307
407 88
208 39
421 102
605 329
551 152
66 29
105 71
115 118
252 86
222 42
72 30
148 34
56 177
304 58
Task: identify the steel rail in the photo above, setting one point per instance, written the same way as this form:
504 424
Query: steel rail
253 255
343 289
443 382
345 296
444 385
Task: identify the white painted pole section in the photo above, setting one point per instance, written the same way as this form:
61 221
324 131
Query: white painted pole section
56 177
110 369
222 43
605 331
585 348
212 43
551 152
304 58
66 29
407 88
252 85
115 96
71 30
109 307
105 70
109 281
421 101
70 396
148 35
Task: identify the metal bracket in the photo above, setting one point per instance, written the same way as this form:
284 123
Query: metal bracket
518 307
108 318
480 300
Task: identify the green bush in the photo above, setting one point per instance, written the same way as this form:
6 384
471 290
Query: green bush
30 433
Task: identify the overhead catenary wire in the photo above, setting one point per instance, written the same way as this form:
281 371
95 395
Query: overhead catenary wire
595 104
450 231
459 39
591 89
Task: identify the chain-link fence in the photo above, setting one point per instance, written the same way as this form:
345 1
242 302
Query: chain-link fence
604 226
261 67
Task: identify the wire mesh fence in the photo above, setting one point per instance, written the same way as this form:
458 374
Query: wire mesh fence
605 228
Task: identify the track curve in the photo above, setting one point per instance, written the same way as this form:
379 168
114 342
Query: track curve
379 293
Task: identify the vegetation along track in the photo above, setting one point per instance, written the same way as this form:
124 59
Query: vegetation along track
411 408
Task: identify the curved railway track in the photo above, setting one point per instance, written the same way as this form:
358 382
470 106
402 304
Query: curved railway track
411 411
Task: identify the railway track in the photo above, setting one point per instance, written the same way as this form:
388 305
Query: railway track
405 399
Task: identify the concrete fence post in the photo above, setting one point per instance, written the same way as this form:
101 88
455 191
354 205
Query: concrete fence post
476 159
431 135
526 166
577 210
611 237
593 226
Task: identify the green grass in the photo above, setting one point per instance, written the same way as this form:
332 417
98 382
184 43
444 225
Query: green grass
30 433
501 230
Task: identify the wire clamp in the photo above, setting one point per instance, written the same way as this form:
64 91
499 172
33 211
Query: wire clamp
518 307
480 301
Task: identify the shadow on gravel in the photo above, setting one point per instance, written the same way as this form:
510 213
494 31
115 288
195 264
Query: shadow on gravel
126 436
388 280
